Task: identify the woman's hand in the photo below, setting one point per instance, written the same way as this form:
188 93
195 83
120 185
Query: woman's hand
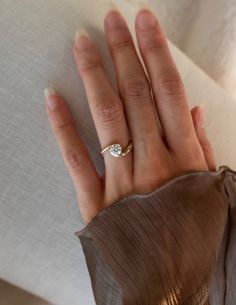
158 155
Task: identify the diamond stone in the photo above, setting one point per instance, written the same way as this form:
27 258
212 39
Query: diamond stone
115 150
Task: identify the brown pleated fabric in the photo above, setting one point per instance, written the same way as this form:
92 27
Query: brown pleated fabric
175 245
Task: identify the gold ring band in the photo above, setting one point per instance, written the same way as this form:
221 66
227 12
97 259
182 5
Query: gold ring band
116 149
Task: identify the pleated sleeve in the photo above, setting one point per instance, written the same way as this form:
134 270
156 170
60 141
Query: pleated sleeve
175 245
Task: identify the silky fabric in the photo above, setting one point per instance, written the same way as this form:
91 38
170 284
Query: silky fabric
38 209
165 247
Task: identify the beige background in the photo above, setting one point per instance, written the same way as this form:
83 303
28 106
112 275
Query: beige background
38 209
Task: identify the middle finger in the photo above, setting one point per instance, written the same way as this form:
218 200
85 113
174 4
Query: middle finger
134 88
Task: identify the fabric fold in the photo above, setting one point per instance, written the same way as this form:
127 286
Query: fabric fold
162 247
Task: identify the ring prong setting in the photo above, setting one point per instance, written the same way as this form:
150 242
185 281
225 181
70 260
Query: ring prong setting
115 150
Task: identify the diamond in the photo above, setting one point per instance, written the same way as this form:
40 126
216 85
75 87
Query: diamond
115 150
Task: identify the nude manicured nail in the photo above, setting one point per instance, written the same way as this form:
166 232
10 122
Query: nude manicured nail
48 92
52 103
115 20
80 33
146 19
81 39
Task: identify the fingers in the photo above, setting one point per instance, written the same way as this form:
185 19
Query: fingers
198 121
166 83
105 106
133 86
77 160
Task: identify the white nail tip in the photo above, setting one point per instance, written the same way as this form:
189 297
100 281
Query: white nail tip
81 32
49 91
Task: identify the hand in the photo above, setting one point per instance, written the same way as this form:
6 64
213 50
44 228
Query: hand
176 145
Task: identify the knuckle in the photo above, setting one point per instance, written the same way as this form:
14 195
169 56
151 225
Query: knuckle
155 43
136 88
62 125
88 60
74 157
109 113
121 45
171 86
90 65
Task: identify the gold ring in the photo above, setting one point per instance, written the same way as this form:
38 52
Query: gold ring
116 149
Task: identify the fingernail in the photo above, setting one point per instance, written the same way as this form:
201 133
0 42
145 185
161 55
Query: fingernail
114 20
81 32
48 92
146 20
82 43
201 115
52 103
141 6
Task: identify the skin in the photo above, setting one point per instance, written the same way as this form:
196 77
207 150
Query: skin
175 145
